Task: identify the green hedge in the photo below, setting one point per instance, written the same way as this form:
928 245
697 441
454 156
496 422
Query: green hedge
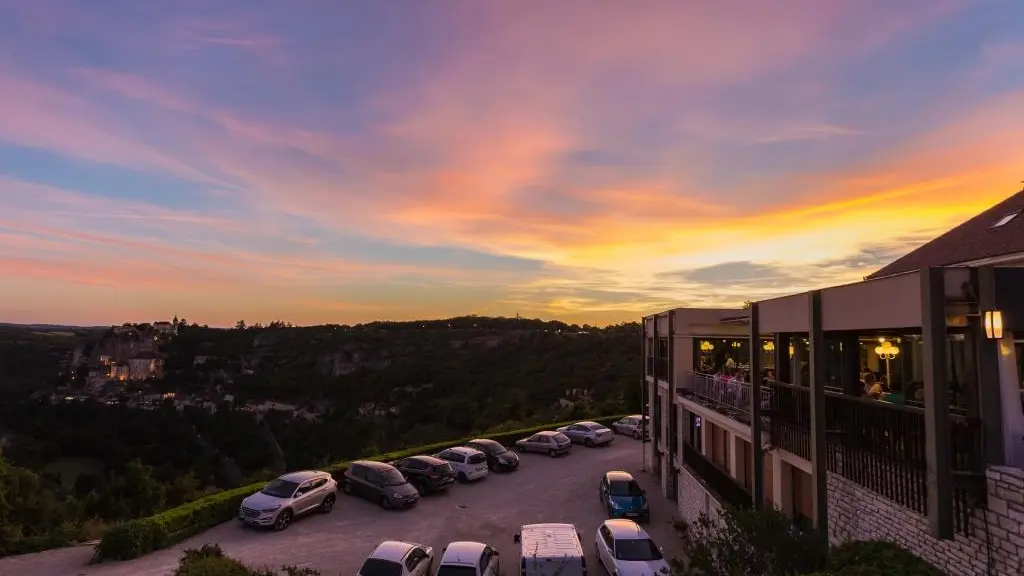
141 536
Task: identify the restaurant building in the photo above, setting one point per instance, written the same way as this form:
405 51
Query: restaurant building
889 408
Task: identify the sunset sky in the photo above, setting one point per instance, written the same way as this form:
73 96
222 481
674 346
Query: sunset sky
591 161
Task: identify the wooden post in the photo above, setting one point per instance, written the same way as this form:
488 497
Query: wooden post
755 406
819 471
939 473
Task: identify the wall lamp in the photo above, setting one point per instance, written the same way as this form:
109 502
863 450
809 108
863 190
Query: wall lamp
993 324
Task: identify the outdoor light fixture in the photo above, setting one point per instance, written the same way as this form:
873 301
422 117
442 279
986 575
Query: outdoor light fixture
706 346
737 344
792 350
769 346
886 351
993 324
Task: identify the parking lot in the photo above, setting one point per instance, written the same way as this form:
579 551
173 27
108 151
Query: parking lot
544 489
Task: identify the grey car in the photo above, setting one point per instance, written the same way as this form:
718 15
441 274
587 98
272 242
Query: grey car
287 497
589 433
632 425
381 483
550 442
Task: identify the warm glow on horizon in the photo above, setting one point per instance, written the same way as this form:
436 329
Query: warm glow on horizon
585 161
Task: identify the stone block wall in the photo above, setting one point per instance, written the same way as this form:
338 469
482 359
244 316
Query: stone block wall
995 547
694 499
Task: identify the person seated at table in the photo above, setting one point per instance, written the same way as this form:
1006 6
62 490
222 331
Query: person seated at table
869 382
879 388
769 374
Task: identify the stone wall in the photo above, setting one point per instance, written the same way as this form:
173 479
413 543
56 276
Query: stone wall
996 546
694 499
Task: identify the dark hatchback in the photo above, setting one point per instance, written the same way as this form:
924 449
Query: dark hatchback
499 458
381 483
426 473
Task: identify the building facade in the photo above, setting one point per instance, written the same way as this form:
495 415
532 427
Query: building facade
768 407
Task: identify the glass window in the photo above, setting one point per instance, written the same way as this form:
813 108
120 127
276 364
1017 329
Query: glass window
560 438
630 488
391 477
280 488
378 567
637 550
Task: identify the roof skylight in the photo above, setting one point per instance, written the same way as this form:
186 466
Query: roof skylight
1006 219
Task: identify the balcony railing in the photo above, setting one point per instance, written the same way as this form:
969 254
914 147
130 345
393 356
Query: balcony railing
730 397
716 480
789 417
879 446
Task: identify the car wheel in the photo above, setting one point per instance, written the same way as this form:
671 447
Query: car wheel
462 477
552 453
636 434
493 466
327 505
284 519
589 443
385 503
346 487
422 489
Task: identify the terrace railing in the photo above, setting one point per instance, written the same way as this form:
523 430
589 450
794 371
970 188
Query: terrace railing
715 479
730 397
789 417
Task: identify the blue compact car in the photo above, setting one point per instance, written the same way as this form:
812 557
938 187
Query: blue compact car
623 496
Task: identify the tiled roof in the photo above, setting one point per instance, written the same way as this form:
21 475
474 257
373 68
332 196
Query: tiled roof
975 239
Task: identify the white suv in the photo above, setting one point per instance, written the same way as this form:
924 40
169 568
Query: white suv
623 547
468 463
290 496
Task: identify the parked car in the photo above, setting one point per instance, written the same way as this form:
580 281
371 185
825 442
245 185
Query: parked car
551 442
396 558
624 548
589 433
623 496
287 497
551 549
426 473
468 463
499 458
468 559
633 426
381 483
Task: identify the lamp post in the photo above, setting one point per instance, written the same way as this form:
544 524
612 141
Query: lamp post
886 351
993 324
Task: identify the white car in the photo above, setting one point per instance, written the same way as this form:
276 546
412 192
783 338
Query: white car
625 549
288 497
632 425
395 558
589 433
468 559
468 463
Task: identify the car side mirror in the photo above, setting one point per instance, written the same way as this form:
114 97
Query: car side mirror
516 537
495 554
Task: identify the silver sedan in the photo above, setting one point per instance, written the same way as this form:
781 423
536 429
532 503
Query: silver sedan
589 433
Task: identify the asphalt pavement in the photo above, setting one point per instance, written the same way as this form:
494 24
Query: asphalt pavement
544 489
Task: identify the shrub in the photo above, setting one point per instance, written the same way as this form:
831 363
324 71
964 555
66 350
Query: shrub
211 561
141 536
752 543
877 557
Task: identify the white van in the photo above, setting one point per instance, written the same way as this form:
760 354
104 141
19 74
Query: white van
550 550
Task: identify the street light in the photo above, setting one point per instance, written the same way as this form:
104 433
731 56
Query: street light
886 351
993 324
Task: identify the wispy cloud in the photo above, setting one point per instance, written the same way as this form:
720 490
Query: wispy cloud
586 160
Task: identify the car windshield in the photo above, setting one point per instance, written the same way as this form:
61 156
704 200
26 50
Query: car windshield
378 567
594 426
477 459
637 550
561 438
496 449
280 488
391 477
621 488
445 468
449 570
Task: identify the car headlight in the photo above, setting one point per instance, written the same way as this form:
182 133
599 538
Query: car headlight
271 509
397 495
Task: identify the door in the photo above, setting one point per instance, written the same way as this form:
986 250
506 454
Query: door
606 549
488 563
304 496
533 443
575 433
